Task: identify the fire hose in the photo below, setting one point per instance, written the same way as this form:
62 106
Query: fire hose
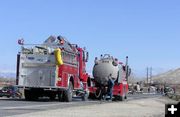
97 96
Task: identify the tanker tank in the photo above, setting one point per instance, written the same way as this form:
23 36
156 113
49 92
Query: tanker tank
103 67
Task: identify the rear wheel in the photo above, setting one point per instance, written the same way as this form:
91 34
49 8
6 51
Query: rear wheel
27 95
68 93
61 96
30 95
92 96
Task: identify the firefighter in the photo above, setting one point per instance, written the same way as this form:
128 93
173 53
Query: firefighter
110 86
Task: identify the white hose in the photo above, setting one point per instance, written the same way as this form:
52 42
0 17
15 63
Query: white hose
97 96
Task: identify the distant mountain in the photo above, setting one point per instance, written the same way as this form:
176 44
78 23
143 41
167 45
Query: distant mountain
171 76
7 74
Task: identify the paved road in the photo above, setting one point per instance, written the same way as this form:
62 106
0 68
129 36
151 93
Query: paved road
10 107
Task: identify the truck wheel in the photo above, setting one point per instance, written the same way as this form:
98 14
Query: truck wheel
60 96
68 93
30 95
27 95
91 96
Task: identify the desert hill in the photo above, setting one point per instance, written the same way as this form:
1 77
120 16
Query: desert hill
170 77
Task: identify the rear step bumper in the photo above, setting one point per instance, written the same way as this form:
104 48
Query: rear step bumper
42 87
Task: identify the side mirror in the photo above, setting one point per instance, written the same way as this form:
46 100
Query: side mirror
87 56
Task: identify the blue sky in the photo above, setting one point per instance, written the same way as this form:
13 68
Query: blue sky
148 31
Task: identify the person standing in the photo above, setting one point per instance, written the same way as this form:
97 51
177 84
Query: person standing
110 86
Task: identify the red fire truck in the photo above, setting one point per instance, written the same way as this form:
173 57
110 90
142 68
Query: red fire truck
54 68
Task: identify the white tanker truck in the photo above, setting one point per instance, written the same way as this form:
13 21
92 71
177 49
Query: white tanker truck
103 68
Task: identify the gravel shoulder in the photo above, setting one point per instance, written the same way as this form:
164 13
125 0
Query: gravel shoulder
150 107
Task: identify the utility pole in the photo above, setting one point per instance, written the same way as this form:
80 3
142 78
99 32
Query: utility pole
147 73
150 74
127 69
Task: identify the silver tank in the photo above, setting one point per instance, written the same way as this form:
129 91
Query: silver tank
103 67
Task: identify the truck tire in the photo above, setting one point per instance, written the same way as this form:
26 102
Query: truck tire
27 95
68 93
30 95
61 96
92 96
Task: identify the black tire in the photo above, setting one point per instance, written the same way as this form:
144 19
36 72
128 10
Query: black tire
68 93
27 95
92 96
30 95
60 96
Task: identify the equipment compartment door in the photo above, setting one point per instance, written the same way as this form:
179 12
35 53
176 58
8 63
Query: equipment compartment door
38 77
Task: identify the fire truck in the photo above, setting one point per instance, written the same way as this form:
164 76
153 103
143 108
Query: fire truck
53 69
103 68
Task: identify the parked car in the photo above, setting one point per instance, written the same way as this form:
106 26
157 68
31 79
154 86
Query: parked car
169 90
10 91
